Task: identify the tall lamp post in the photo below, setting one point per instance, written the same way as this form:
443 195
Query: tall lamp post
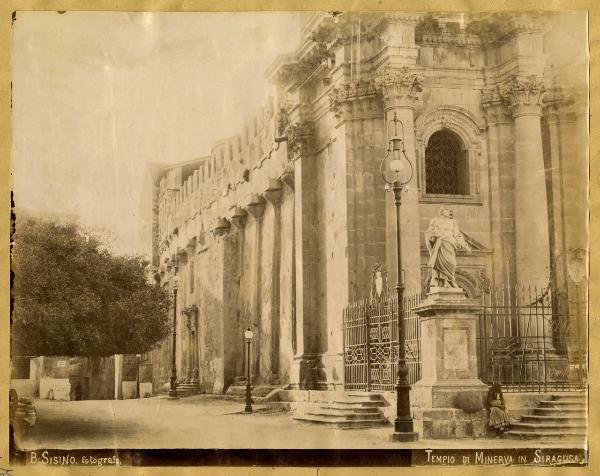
397 172
248 335
173 389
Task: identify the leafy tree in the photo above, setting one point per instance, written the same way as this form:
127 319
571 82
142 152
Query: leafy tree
72 297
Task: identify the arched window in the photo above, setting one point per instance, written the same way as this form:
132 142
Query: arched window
446 165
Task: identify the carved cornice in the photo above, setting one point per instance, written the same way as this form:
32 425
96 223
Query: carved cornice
495 28
460 40
300 138
403 17
351 92
400 87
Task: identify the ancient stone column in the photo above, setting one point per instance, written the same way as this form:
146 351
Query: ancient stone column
273 195
400 88
532 254
256 208
305 202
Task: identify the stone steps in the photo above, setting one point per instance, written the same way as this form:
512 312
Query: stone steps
346 411
525 426
553 419
342 422
188 389
358 404
546 436
563 404
343 410
561 417
560 411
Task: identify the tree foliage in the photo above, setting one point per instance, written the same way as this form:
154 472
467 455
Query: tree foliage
72 297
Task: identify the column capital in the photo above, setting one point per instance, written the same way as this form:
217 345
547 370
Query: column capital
400 87
523 96
256 206
238 217
221 227
496 111
300 138
273 192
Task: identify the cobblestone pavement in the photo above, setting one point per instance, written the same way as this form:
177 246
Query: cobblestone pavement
202 422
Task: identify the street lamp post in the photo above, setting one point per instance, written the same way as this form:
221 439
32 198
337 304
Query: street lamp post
397 165
248 334
173 389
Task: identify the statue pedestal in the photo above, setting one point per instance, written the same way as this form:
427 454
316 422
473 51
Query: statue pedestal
449 398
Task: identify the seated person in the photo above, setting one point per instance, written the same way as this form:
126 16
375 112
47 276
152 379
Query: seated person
499 419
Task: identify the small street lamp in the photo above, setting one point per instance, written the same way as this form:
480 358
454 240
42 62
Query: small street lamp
397 171
248 335
173 389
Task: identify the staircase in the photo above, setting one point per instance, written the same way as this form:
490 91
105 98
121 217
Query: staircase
561 417
188 389
346 411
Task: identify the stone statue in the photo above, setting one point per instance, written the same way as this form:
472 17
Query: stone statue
442 238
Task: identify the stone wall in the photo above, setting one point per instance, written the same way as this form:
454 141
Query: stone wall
285 220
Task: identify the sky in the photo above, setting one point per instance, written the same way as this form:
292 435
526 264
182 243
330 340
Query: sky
97 95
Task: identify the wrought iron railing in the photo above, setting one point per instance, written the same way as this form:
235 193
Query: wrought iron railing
529 341
370 330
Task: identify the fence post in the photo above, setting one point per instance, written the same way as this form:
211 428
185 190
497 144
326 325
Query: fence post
367 310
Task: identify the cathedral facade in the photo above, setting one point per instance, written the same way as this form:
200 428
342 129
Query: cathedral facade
281 226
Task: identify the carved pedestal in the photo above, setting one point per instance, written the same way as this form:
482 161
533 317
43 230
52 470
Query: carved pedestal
448 400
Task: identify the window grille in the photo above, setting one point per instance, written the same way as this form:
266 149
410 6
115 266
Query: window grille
446 165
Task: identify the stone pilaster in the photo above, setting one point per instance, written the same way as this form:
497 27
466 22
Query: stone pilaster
401 88
502 201
360 132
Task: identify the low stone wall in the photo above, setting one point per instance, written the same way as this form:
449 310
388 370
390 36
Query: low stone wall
24 387
55 388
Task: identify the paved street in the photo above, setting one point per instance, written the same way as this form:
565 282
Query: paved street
203 422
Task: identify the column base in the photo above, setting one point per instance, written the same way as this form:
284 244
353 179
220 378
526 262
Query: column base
404 436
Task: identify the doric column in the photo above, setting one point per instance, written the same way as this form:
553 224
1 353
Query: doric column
300 138
401 89
532 254
256 208
273 195
238 218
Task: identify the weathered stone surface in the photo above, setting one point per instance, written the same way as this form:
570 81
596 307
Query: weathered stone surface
289 273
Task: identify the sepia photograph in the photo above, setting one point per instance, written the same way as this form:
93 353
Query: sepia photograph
360 236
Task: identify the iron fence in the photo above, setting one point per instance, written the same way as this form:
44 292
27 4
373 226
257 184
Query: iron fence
370 330
530 340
